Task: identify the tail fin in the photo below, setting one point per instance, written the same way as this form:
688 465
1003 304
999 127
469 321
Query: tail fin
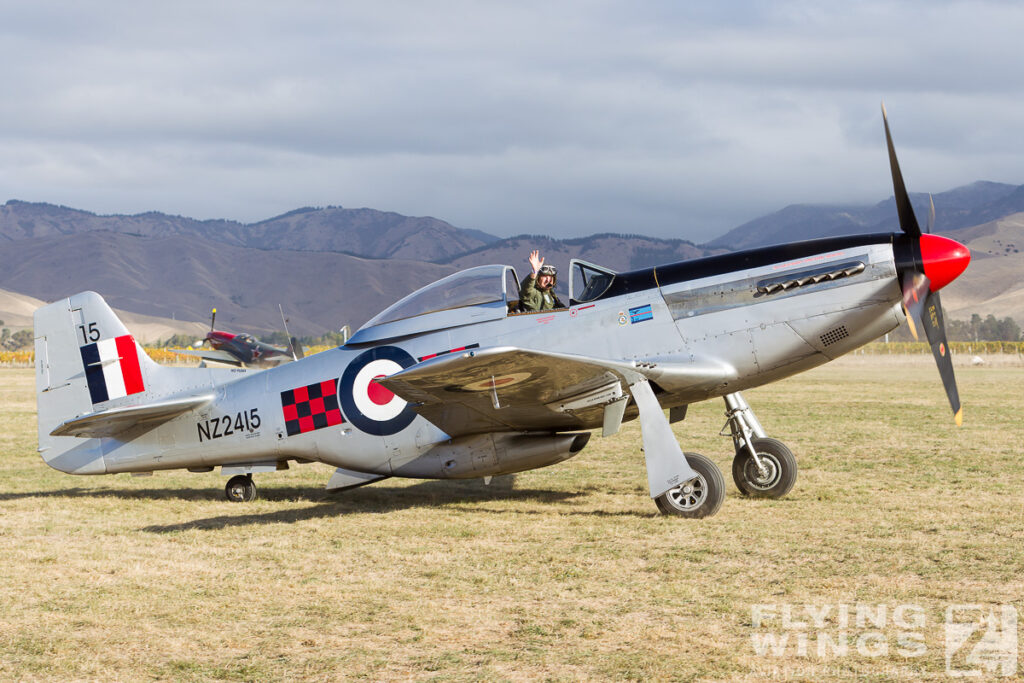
86 361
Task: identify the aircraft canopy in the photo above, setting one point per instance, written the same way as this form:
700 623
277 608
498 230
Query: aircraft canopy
444 303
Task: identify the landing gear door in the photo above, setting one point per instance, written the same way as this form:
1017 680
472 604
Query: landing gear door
588 281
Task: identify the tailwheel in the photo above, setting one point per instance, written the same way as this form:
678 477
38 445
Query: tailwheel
241 489
700 497
772 477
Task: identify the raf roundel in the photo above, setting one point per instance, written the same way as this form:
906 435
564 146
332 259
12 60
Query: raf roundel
372 408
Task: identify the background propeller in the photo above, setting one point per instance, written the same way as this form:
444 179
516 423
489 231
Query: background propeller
944 260
202 342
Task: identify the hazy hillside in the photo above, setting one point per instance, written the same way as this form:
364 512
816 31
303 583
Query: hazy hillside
994 282
363 232
16 311
183 277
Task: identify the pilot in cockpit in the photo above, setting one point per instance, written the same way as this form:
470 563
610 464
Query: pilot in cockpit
537 291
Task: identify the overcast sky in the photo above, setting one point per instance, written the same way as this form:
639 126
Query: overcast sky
676 119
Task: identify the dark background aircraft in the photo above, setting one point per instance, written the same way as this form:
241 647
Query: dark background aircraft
242 349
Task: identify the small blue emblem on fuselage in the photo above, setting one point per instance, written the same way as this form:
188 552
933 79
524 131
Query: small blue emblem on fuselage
640 314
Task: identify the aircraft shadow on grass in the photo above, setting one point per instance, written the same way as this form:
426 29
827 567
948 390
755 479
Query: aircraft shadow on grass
377 499
370 500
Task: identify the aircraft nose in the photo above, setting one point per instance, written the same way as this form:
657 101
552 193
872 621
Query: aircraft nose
944 259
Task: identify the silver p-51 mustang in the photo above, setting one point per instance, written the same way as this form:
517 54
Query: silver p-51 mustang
452 382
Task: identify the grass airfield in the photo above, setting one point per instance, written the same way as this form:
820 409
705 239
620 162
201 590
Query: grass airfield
564 573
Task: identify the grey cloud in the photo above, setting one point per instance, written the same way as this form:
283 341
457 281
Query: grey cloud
669 118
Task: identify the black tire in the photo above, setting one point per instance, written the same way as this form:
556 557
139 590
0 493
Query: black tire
780 466
241 489
699 498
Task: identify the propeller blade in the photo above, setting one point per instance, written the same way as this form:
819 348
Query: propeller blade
213 316
936 332
291 343
915 289
931 214
943 260
908 221
924 307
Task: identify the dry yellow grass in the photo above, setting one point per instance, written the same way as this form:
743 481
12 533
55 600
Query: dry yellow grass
567 573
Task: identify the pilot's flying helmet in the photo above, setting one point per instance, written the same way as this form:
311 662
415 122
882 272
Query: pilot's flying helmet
549 270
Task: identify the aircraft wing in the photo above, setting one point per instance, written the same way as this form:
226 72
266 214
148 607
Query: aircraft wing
509 388
114 421
211 355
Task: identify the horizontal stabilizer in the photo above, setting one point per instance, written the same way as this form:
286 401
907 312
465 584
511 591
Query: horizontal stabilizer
112 422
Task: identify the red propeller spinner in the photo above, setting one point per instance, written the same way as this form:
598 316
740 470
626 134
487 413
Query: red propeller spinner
944 259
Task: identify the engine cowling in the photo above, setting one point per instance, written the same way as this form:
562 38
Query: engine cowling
485 455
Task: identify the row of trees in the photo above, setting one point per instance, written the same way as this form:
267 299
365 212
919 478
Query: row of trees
177 341
988 329
278 338
23 339
974 330
14 341
977 329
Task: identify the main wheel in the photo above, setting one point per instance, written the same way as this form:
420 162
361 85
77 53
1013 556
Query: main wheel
777 476
241 489
698 498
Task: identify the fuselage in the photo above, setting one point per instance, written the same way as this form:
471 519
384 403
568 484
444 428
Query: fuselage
698 329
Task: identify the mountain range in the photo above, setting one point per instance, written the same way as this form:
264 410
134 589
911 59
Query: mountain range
180 268
333 266
362 232
962 207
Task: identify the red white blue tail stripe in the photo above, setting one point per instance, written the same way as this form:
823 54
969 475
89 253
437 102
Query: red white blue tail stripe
112 368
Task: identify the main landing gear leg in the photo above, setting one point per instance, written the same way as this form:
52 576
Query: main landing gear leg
687 485
763 467
241 489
